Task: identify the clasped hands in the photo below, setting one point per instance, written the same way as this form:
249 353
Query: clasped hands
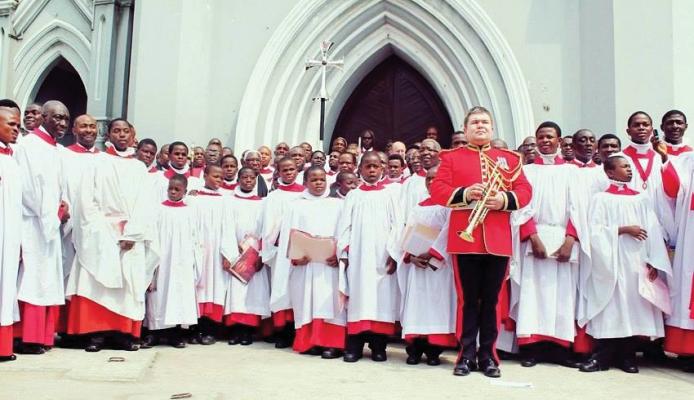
563 253
331 262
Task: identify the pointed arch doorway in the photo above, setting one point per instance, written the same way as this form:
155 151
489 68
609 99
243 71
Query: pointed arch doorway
63 82
397 103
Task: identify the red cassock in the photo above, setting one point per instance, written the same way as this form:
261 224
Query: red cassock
465 166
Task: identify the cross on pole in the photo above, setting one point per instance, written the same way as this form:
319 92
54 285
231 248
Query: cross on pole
323 63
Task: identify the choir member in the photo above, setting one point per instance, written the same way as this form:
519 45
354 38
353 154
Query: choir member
230 169
344 183
146 152
674 125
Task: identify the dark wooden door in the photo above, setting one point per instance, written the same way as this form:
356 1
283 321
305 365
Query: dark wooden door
397 103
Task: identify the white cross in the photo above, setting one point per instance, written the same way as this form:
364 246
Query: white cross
324 64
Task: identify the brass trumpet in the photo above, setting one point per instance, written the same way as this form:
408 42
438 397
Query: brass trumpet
479 211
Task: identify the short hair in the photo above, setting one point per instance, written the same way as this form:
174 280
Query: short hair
113 122
633 115
148 141
285 159
312 168
246 169
549 124
436 144
354 158
578 132
397 157
209 167
179 178
671 113
317 151
341 176
476 110
248 152
177 143
221 161
457 133
610 162
9 103
609 136
371 153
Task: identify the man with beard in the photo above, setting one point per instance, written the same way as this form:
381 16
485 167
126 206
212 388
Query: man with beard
41 289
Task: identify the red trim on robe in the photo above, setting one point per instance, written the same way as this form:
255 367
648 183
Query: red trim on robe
88 316
204 193
170 203
691 300
624 190
319 333
282 318
78 148
153 169
671 180
436 254
6 150
583 342
378 327
111 150
580 164
631 152
242 319
671 150
196 172
557 161
524 341
37 325
229 186
248 198
571 230
679 341
294 187
170 173
63 312
427 202
527 229
212 311
6 339
44 136
266 171
435 339
369 187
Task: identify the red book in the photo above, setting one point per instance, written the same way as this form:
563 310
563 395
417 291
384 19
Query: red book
247 264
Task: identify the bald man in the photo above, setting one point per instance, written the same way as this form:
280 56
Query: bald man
41 289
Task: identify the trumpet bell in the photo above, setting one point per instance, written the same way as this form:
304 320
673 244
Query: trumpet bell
466 236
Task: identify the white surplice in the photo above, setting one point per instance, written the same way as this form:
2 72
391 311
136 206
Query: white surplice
313 288
41 272
10 237
543 291
614 307
115 203
412 191
253 298
217 235
366 239
173 301
428 297
277 204
161 181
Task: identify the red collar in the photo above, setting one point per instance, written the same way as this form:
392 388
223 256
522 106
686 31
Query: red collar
153 169
6 150
43 135
208 192
421 173
368 187
331 173
170 203
671 150
294 187
229 186
112 151
266 170
170 173
557 161
196 172
427 202
631 152
248 198
78 148
625 190
579 164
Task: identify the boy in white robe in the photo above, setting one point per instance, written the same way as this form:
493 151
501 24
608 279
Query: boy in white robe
178 164
274 212
248 304
344 183
428 295
230 169
41 287
678 183
319 316
216 233
370 215
171 297
628 251
10 231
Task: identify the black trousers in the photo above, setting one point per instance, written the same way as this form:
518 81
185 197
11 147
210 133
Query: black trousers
616 351
481 276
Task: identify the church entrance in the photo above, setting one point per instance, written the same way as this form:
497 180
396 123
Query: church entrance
397 103
64 83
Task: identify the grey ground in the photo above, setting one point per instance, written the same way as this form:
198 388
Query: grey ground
262 372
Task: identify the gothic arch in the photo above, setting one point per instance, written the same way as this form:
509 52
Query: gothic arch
452 43
39 53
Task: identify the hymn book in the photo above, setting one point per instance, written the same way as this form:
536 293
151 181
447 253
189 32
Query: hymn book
316 248
246 265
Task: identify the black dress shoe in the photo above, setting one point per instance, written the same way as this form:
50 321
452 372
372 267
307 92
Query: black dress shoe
378 356
207 340
570 363
413 359
528 362
593 365
31 348
148 342
93 347
234 340
433 360
629 366
313 351
330 353
282 342
246 339
11 357
129 345
351 357
177 343
489 368
463 367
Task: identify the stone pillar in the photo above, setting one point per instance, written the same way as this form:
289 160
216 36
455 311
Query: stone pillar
7 7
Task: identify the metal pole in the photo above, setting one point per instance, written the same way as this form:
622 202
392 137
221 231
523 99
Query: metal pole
322 118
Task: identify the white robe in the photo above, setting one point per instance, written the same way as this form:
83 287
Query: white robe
412 192
253 298
366 226
115 203
313 288
428 297
173 302
41 272
10 237
277 203
682 281
216 232
615 309
161 182
543 292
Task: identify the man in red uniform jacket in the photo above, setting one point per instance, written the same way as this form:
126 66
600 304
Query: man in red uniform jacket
482 263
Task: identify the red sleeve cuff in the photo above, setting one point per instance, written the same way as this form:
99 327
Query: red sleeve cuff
435 254
527 229
571 230
407 257
671 182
